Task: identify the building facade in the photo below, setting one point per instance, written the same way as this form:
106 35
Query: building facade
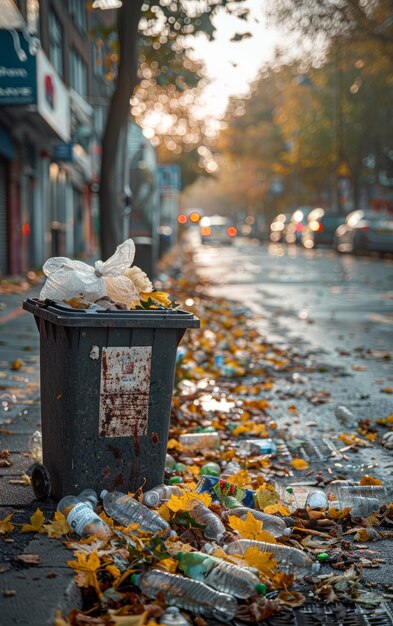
53 99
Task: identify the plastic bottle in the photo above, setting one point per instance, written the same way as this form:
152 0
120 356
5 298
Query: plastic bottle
173 617
344 415
210 469
360 507
346 491
35 445
271 523
257 446
199 441
125 510
230 469
213 526
169 462
156 496
289 560
81 517
317 504
190 595
219 574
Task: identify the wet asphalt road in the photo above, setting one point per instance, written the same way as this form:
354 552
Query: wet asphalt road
333 302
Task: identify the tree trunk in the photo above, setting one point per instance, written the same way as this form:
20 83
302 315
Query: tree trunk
127 78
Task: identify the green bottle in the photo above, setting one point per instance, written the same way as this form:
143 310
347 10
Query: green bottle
210 469
219 574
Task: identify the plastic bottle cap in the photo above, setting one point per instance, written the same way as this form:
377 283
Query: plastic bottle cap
175 479
287 532
261 588
103 494
173 533
289 490
322 556
315 568
135 578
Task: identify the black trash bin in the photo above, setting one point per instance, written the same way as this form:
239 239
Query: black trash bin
106 390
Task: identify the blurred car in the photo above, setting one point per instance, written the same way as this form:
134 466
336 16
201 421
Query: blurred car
278 227
320 228
365 232
217 229
298 220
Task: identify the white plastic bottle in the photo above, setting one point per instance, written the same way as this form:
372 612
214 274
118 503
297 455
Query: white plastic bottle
290 560
199 441
156 496
190 595
125 510
213 526
271 523
81 517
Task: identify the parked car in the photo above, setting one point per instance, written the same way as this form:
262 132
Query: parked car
297 222
320 228
217 229
278 227
365 232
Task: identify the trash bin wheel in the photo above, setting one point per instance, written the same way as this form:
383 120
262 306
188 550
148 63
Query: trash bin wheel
40 481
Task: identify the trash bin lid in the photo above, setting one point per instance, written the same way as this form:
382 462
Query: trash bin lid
63 315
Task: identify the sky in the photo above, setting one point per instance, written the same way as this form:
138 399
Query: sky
231 66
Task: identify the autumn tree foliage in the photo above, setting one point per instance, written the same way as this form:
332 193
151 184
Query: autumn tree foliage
153 39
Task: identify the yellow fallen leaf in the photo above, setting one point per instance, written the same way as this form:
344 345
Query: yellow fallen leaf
164 512
169 565
265 497
5 525
86 567
173 444
108 520
250 528
338 514
58 527
369 480
300 464
387 390
385 420
59 620
113 571
194 469
242 479
37 521
263 561
181 503
17 364
273 509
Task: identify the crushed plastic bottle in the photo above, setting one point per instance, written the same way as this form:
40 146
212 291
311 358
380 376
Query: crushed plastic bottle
344 415
156 496
187 594
35 446
80 516
199 441
220 490
290 560
219 574
210 469
125 510
173 617
345 491
213 526
271 523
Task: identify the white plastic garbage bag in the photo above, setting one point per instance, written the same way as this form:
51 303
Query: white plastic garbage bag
67 278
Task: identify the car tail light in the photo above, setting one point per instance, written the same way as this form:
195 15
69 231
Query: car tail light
232 231
364 227
299 227
206 231
320 228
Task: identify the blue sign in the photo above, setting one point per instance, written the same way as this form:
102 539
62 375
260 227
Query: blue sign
18 73
63 152
169 177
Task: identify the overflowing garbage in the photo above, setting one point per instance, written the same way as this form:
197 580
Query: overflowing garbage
242 526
